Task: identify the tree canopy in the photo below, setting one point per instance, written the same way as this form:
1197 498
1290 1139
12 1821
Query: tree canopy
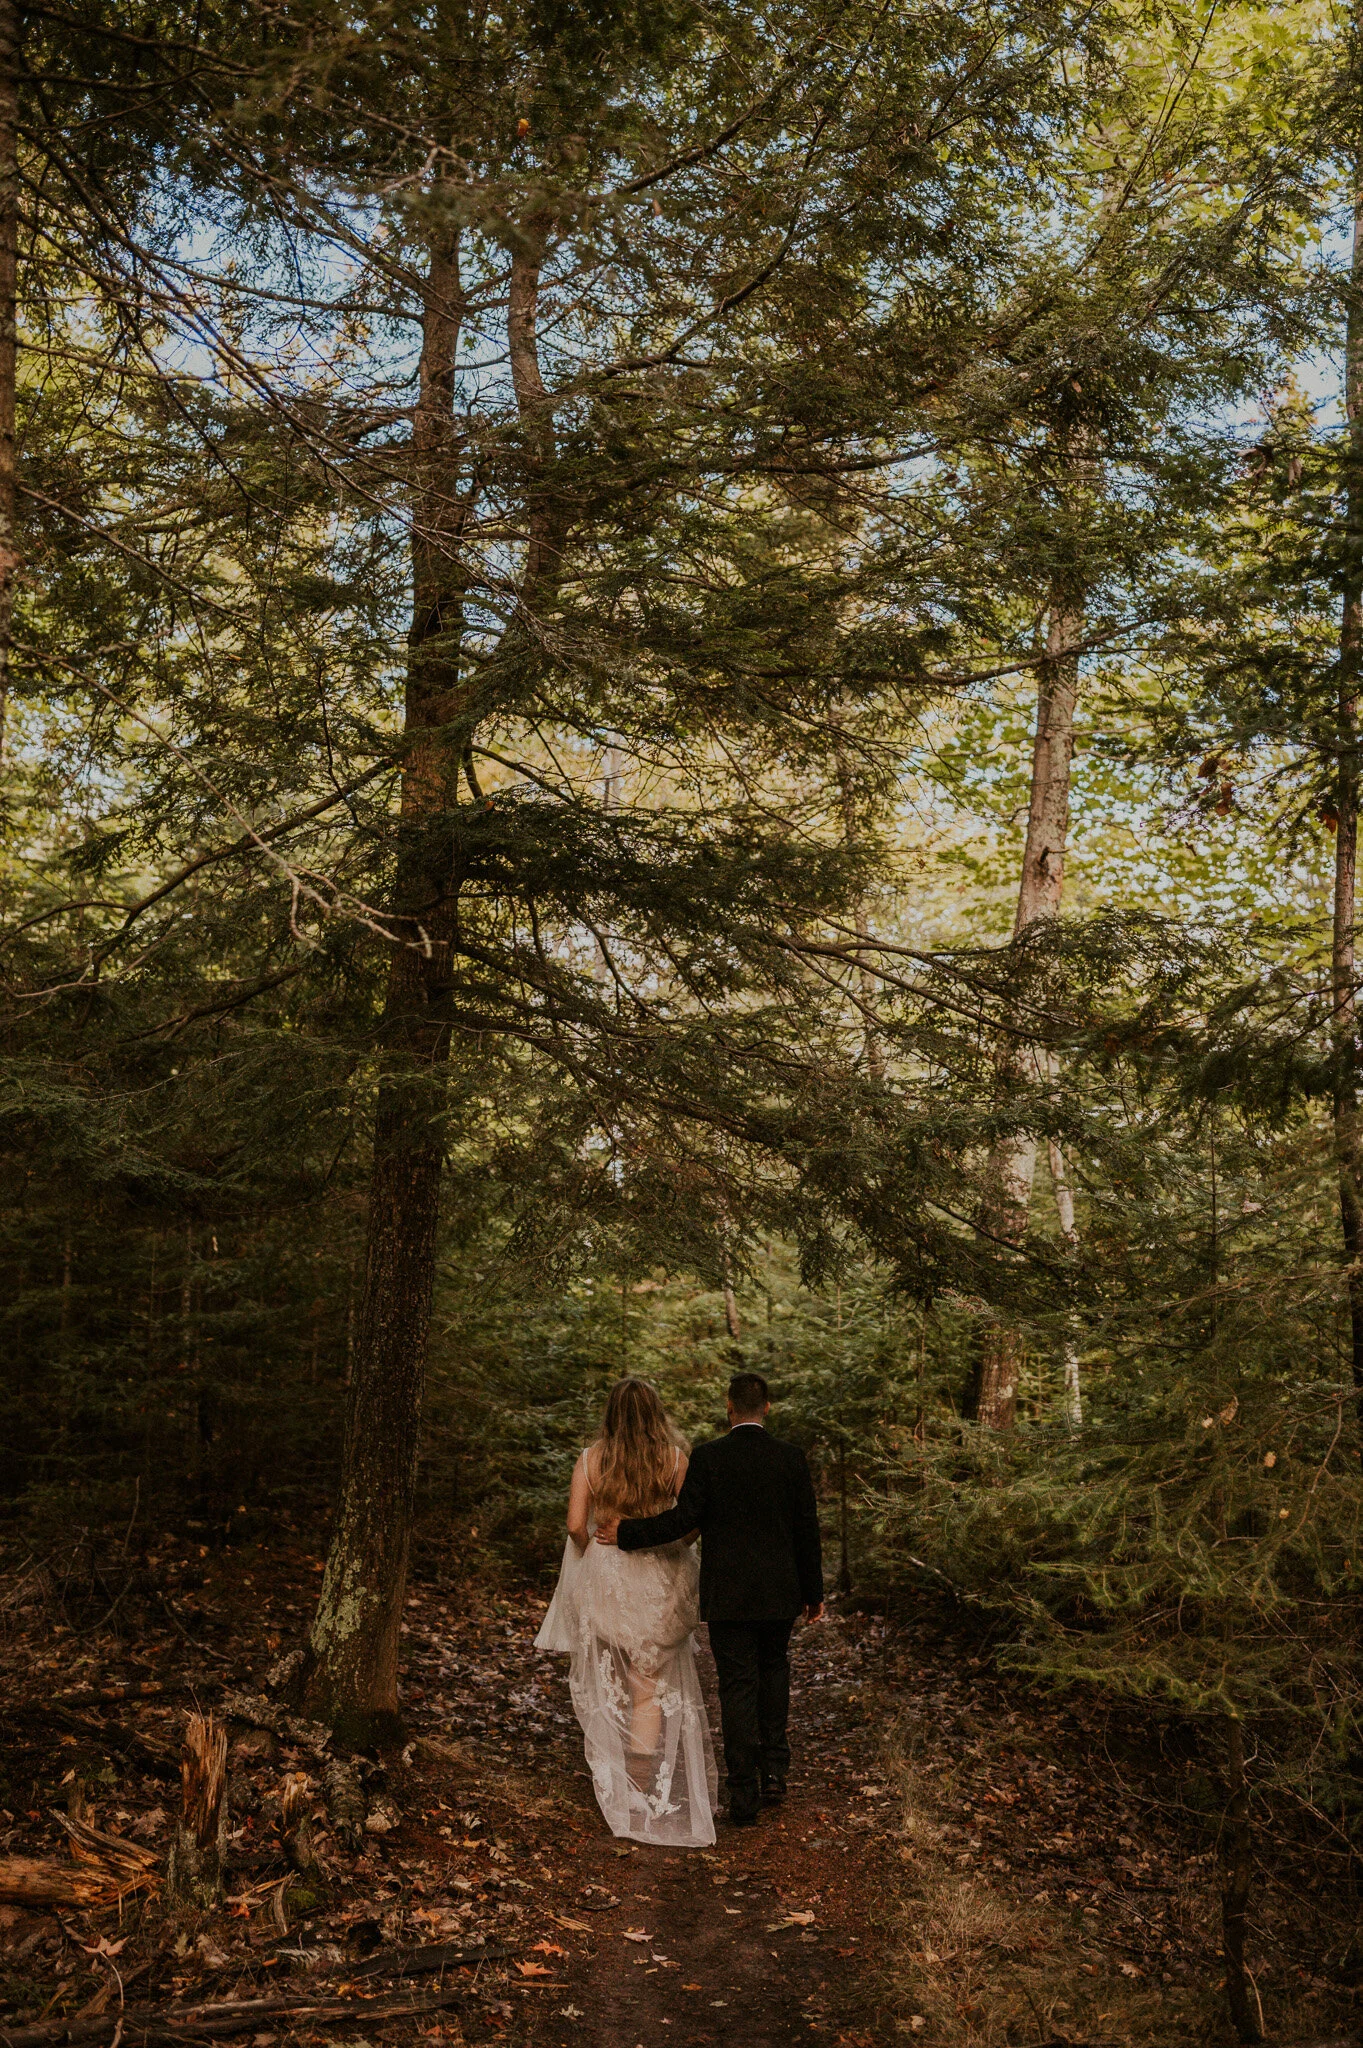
680 686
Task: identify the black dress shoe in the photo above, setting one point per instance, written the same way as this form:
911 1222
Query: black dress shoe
773 1790
742 1816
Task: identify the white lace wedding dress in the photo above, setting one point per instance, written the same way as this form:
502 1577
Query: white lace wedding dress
625 1618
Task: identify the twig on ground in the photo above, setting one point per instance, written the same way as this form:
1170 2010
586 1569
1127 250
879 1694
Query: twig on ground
219 2021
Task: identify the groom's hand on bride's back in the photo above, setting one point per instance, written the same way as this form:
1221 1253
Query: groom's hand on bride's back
605 1531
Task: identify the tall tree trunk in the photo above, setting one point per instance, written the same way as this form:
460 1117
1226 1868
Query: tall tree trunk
1069 1349
612 778
10 34
732 1322
351 1674
352 1669
1348 1149
866 981
545 514
1012 1164
1236 1863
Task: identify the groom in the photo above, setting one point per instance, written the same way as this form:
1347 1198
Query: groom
752 1499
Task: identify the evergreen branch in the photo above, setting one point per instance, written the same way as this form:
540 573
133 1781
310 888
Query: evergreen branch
305 886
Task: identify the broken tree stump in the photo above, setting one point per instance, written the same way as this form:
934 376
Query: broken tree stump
295 1822
194 1868
103 1870
115 1865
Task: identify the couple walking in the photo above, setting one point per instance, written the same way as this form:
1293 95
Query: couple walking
630 1594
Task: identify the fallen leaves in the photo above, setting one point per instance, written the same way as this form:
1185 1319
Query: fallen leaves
456 1874
791 1920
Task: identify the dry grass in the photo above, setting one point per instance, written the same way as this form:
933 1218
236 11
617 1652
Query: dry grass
983 1956
978 1964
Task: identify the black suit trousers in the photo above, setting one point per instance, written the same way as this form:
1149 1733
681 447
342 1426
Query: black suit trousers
752 1659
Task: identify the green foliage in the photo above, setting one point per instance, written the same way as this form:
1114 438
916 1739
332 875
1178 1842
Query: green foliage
867 343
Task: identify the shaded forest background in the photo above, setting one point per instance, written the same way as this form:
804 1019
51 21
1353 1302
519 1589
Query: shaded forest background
679 692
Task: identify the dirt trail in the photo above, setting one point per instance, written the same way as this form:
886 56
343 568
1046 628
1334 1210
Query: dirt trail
495 1843
763 1940
988 1870
960 1861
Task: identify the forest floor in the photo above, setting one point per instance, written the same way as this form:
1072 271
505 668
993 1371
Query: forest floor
959 1862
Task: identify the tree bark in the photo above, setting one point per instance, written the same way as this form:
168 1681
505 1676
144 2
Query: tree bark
35 1881
1069 1350
351 1679
866 980
345 1802
612 776
10 37
1011 1170
1235 1877
544 517
1344 1020
104 1872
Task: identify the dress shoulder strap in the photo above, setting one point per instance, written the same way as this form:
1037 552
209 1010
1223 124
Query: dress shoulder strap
676 1468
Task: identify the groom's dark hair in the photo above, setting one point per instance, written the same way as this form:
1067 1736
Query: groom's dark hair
748 1393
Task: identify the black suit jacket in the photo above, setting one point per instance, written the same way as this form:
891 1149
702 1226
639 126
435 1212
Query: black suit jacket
752 1499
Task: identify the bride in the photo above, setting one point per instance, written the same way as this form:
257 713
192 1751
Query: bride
625 1618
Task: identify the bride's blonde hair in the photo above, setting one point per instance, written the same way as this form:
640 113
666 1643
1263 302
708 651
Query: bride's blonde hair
636 1450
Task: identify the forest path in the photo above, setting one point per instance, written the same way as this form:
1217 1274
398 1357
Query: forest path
984 1868
490 1882
961 1861
762 1941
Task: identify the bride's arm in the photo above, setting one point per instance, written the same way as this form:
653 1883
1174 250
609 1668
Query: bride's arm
693 1535
579 1505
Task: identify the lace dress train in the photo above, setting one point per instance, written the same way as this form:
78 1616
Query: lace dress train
625 1619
